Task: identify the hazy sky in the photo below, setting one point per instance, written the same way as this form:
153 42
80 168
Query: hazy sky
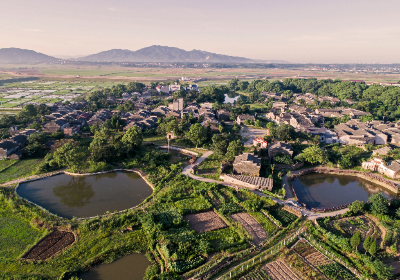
334 31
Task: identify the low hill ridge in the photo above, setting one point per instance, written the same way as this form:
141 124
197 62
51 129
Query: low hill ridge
16 55
162 54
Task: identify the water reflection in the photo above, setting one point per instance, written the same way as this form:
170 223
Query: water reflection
231 98
87 196
75 193
328 190
131 267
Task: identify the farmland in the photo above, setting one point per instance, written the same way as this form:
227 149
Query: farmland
252 226
14 95
278 270
158 73
18 169
16 236
206 221
50 245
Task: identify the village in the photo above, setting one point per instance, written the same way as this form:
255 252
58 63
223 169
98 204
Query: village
243 172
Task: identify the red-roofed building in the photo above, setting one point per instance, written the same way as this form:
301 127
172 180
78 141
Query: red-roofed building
261 141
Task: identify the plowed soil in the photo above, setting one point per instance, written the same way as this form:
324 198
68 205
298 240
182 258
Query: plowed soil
278 270
252 226
205 221
50 245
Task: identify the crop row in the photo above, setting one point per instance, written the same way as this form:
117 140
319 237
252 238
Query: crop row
256 275
283 216
264 222
335 271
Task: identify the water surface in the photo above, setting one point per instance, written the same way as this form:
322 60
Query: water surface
131 267
230 99
328 190
87 196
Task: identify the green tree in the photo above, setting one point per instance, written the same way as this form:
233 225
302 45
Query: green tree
379 204
197 134
372 248
94 128
367 243
69 155
4 134
233 84
132 139
235 148
357 207
219 144
314 154
285 132
257 123
356 239
29 110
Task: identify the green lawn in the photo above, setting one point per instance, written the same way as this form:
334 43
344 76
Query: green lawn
5 163
16 236
22 168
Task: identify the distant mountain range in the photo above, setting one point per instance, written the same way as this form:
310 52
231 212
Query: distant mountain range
15 55
162 54
149 54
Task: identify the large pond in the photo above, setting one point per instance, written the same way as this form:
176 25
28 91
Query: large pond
230 99
328 190
86 196
131 267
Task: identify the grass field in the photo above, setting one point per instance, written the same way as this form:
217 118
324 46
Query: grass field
16 236
6 163
22 168
210 168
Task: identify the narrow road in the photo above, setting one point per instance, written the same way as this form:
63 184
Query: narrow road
289 194
188 169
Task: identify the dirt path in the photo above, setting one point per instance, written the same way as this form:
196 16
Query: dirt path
16 181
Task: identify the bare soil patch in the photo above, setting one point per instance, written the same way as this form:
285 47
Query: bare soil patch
278 270
252 226
50 245
206 221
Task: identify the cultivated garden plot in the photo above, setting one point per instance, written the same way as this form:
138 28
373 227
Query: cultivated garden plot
252 226
349 226
321 262
256 275
50 245
311 255
278 270
206 221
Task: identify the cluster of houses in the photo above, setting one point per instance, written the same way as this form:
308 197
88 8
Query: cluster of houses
11 148
311 99
378 164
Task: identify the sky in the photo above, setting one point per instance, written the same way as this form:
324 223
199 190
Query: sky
298 31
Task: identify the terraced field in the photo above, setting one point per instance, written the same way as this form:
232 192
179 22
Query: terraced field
252 226
278 270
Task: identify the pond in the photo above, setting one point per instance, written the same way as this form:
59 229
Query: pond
86 196
230 99
131 267
328 190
